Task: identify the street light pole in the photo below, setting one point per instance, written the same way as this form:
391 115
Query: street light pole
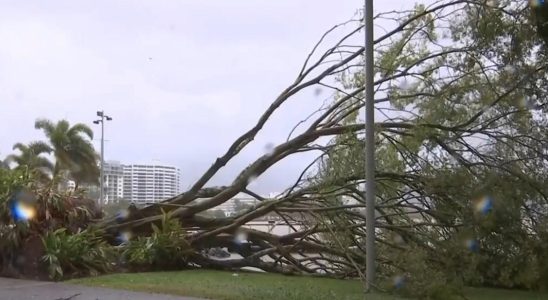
101 173
369 148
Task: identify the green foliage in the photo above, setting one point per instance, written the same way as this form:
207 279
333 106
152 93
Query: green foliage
11 234
83 253
458 130
11 181
433 270
166 248
4 164
52 211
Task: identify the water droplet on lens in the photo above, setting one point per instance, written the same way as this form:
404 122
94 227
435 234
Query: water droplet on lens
472 245
404 84
398 239
21 208
483 205
252 180
240 237
510 69
269 148
124 236
527 102
20 260
122 214
399 281
536 3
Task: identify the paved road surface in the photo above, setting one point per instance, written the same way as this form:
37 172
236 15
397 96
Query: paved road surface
15 289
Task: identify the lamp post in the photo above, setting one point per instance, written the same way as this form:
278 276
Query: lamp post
369 148
102 119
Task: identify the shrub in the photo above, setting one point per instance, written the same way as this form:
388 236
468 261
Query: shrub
11 233
83 253
166 248
429 272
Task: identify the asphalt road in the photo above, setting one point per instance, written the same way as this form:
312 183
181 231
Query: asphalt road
15 289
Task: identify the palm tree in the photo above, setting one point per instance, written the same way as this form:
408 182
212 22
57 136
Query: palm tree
73 151
30 157
4 164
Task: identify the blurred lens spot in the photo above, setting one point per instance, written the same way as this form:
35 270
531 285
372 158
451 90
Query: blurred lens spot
404 84
269 148
317 91
124 236
25 197
399 281
398 239
527 102
22 211
20 260
472 245
510 69
536 3
252 179
122 214
483 205
240 237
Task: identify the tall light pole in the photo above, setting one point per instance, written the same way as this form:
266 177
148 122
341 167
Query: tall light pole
102 175
369 148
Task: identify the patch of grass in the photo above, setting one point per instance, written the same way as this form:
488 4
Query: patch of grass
260 286
225 286
501 294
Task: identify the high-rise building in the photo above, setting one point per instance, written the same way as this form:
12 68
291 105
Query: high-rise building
140 183
145 183
114 181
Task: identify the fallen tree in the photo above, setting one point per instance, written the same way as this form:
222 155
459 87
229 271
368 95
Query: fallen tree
459 89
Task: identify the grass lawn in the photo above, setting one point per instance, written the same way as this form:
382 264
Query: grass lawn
259 286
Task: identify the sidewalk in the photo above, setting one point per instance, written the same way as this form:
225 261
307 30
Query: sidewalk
15 289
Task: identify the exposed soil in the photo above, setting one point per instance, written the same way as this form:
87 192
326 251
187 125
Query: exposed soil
27 265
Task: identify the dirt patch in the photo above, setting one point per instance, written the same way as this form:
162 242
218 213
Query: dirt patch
27 263
31 264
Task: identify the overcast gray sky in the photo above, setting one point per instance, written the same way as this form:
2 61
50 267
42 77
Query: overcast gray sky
182 79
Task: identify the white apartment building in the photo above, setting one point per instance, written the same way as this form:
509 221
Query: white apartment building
144 183
114 181
140 183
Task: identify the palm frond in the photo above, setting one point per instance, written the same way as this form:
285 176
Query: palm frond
20 146
46 125
80 128
39 147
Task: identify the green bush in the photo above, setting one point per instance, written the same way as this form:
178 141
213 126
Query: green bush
83 253
436 272
11 233
165 249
